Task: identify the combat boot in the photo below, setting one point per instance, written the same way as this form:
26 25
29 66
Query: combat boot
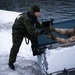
11 66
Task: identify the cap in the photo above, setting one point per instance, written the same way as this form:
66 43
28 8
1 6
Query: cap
35 8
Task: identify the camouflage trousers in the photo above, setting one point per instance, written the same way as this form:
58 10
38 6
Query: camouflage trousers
17 40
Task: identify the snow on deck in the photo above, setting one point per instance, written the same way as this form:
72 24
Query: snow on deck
58 59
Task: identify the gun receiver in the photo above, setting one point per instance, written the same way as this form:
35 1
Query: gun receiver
46 26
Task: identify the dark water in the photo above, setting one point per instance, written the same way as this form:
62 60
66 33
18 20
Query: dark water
58 9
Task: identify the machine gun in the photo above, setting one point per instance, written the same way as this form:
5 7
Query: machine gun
47 26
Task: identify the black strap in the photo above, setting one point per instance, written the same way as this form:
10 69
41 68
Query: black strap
27 42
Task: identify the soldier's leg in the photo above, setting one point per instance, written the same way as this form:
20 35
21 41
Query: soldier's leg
16 40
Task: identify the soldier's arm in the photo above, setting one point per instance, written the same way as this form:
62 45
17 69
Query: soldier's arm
38 25
30 28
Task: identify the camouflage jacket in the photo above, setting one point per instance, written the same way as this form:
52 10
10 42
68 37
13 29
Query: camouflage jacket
26 24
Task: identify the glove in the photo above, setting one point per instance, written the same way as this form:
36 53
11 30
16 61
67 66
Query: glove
47 31
37 52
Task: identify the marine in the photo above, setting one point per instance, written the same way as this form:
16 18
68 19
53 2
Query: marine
25 27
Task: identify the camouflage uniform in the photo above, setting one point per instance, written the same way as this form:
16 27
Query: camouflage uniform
67 32
24 26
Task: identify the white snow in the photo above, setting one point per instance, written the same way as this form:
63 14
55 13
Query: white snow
61 58
58 59
6 16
